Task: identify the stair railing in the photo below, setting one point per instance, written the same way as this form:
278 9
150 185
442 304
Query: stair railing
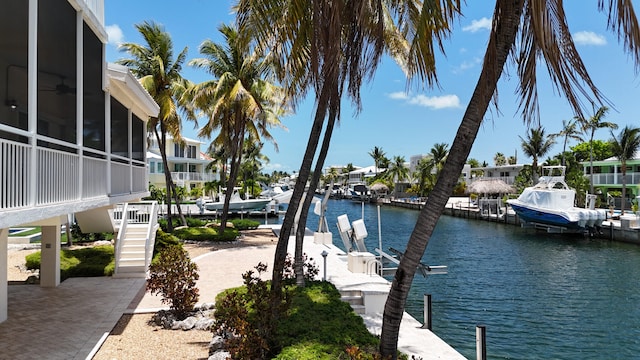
151 234
121 233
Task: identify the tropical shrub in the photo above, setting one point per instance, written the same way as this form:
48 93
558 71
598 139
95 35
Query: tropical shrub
206 234
245 224
173 275
82 262
164 240
246 313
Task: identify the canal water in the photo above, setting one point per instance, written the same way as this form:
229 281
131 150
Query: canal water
540 296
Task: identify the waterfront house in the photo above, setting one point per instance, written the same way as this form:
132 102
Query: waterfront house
72 127
607 176
186 163
506 173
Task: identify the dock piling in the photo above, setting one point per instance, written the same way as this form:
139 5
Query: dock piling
481 342
427 312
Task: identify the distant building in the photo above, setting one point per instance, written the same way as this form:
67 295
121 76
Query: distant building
186 163
607 175
506 173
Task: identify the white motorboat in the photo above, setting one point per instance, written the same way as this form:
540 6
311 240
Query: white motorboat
236 203
550 204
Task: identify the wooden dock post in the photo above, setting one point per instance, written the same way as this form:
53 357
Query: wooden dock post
481 342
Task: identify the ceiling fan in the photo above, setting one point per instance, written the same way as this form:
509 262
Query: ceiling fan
62 88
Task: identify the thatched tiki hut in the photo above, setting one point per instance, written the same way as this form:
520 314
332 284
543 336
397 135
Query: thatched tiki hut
487 187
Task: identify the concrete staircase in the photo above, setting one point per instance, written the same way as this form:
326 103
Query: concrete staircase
355 299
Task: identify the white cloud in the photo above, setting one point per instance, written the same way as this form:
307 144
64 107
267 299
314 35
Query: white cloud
589 38
436 102
399 95
467 65
116 37
477 25
433 102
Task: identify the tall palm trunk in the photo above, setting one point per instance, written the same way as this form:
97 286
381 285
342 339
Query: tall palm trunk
506 22
236 155
169 185
315 179
298 189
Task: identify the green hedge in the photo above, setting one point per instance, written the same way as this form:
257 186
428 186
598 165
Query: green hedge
82 262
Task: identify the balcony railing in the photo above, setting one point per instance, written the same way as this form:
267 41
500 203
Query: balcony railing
192 176
615 179
46 176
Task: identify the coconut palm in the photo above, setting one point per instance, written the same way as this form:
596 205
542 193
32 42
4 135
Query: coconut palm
528 30
536 145
499 159
397 171
159 72
589 127
439 154
240 102
569 130
377 154
332 47
625 146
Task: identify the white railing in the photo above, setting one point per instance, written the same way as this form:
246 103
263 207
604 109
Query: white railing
151 233
14 175
58 179
615 179
94 177
509 180
139 172
122 230
192 176
120 178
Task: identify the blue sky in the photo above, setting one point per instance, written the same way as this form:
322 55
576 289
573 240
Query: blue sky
407 121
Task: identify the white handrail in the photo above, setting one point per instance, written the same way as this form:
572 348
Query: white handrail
121 232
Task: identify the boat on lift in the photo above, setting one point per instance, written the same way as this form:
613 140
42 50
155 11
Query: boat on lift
549 204
236 203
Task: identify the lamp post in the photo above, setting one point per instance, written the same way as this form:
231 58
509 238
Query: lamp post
324 257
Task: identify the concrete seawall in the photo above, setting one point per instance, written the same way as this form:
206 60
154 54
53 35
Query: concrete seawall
612 229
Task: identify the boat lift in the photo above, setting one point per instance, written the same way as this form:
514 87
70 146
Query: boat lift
353 235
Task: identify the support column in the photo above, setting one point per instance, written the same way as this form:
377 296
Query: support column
50 259
4 293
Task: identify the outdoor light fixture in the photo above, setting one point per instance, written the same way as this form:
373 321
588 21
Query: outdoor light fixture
324 254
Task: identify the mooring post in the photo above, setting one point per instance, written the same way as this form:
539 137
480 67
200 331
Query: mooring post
481 344
427 312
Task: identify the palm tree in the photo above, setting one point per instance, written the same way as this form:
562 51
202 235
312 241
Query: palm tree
439 154
398 171
159 73
569 131
332 47
499 159
625 146
377 154
252 161
589 127
536 145
240 102
543 34
426 178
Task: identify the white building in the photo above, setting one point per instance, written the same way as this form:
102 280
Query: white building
72 128
186 163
